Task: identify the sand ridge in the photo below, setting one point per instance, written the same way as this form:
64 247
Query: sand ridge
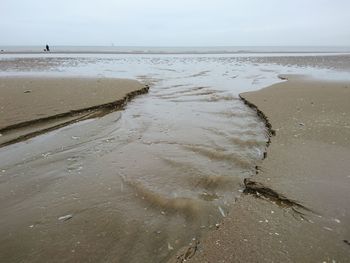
31 106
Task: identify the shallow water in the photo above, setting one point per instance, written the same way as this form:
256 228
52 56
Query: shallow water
140 183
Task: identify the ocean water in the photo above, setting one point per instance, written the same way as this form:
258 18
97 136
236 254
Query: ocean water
177 50
143 182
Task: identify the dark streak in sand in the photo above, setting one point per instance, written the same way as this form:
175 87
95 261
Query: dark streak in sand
77 115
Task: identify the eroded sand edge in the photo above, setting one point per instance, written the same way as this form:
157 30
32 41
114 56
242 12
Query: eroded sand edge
296 207
32 106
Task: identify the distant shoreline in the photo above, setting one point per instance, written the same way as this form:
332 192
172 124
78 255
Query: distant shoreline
62 49
175 53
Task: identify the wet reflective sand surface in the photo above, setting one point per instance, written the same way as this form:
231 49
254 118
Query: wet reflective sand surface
134 185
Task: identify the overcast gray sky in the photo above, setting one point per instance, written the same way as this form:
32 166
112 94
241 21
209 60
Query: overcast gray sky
175 23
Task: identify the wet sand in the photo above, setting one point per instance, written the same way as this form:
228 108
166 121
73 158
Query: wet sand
296 209
337 62
132 186
139 184
30 106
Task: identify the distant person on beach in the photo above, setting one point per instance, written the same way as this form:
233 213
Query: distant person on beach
47 48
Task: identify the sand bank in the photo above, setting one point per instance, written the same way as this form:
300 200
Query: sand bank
30 106
296 208
337 62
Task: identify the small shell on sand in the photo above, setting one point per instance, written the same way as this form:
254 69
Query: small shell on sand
65 218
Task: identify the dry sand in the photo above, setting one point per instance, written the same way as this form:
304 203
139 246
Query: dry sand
307 162
30 106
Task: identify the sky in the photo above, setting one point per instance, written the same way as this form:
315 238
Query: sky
175 23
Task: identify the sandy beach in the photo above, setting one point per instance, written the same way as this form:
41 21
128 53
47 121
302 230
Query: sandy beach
296 208
182 172
30 106
132 185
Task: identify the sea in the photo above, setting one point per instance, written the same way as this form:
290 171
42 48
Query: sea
176 50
